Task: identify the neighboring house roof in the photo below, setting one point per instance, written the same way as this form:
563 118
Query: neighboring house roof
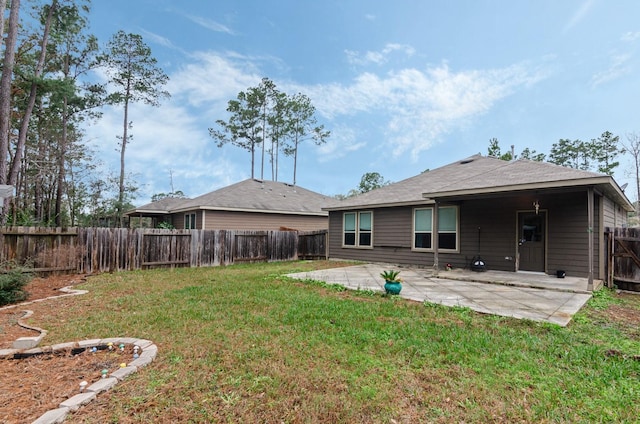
478 175
162 206
254 195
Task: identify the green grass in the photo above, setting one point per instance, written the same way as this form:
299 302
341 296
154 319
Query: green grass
246 344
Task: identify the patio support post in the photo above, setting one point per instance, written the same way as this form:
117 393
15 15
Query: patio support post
436 234
590 235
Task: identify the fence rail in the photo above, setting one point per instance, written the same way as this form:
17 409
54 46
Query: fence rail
95 250
623 258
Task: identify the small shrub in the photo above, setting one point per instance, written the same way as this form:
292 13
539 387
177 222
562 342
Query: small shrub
12 281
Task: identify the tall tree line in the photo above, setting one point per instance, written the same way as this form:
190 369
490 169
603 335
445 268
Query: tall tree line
597 155
46 96
267 121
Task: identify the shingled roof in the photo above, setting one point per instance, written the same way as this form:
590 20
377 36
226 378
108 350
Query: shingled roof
478 175
162 206
254 195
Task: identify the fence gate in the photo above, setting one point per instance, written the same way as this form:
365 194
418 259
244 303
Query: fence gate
623 253
161 249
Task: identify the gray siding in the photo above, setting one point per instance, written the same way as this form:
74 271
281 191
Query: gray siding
489 228
221 220
614 215
493 222
609 213
178 219
568 247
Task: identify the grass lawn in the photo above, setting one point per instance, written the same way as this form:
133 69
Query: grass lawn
244 344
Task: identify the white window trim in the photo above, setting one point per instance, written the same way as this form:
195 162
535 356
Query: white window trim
440 249
357 245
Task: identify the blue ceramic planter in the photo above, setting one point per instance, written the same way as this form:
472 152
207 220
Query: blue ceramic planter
392 287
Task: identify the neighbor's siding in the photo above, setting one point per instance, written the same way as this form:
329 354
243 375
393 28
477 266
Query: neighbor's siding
219 220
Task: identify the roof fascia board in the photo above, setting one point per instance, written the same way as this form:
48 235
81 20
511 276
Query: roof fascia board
583 182
379 205
227 209
521 187
148 211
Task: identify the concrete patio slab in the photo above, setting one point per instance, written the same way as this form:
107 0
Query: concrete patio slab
530 296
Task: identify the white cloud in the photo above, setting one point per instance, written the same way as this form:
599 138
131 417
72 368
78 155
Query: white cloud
157 39
215 76
617 68
404 111
343 140
378 57
210 24
420 106
578 15
212 77
630 36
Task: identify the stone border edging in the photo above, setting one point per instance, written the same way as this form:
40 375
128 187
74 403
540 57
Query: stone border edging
54 416
68 290
28 342
26 346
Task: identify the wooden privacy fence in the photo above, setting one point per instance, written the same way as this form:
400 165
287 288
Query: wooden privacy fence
95 250
623 258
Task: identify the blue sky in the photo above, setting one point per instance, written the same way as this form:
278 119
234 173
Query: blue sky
403 86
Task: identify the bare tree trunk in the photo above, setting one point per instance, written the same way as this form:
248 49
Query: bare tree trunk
125 138
70 200
253 160
5 87
295 162
3 7
633 147
277 147
264 139
62 151
5 94
39 182
24 126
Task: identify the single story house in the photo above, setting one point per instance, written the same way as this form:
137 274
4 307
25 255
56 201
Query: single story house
158 211
516 215
248 205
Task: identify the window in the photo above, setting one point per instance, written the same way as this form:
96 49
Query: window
357 229
190 221
423 221
447 228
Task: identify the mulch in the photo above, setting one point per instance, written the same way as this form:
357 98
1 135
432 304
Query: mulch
34 385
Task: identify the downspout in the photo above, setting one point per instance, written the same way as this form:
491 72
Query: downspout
436 234
590 235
